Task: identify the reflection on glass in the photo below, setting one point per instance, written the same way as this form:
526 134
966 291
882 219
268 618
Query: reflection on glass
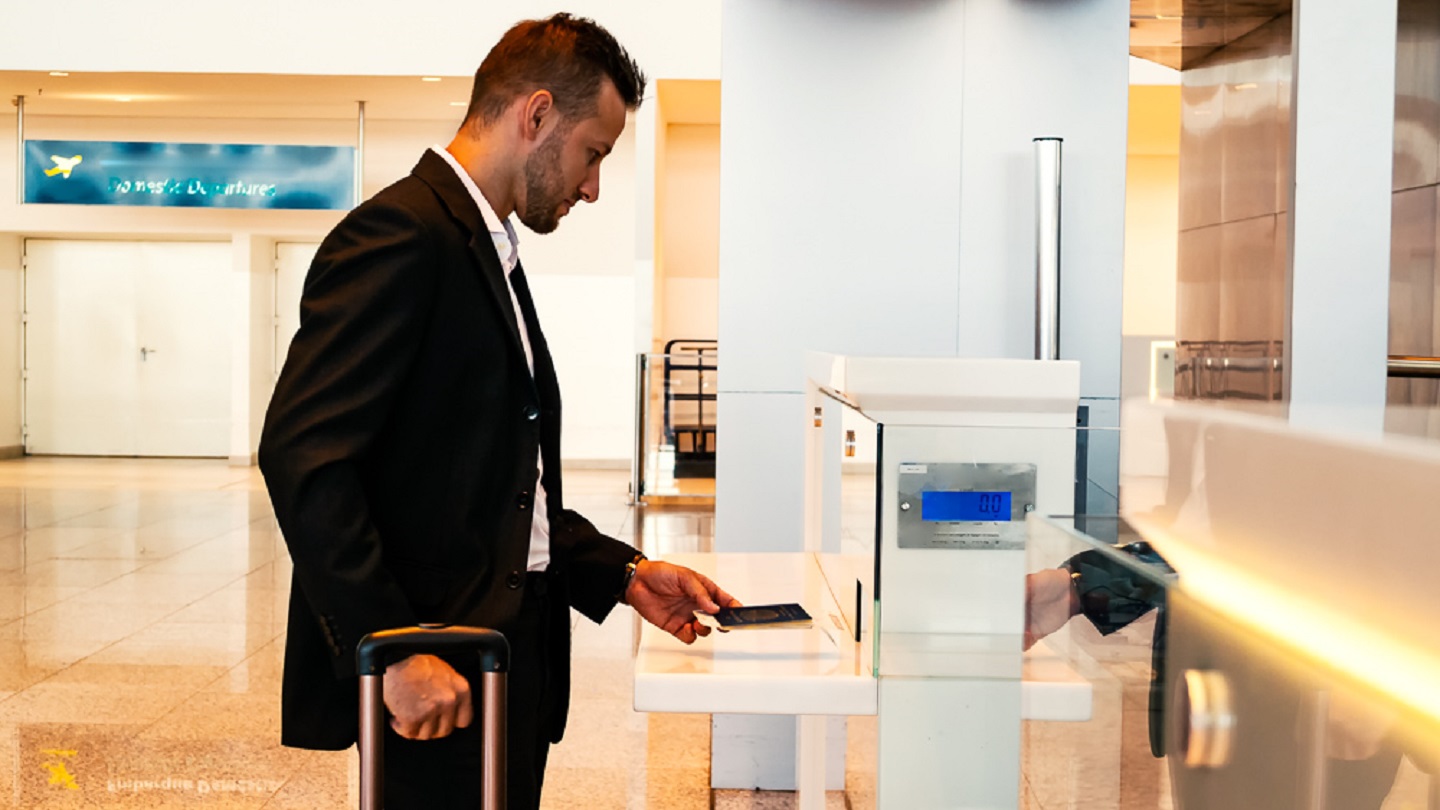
678 403
1194 705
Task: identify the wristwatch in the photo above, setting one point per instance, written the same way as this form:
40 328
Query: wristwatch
630 569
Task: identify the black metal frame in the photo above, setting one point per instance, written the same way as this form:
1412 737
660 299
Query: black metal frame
698 459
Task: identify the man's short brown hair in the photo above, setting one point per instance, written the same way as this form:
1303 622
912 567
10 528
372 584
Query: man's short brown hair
564 54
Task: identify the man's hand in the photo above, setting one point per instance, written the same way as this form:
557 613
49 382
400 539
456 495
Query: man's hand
1049 603
1356 726
427 697
668 595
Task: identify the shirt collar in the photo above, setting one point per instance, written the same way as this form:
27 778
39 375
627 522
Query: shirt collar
502 233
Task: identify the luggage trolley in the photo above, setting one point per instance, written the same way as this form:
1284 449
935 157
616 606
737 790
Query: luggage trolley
688 427
378 650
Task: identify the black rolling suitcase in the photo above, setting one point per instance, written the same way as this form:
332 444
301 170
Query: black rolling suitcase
378 650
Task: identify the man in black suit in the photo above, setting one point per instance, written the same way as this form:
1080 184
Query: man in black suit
412 447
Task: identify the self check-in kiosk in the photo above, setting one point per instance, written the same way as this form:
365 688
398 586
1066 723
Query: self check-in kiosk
963 451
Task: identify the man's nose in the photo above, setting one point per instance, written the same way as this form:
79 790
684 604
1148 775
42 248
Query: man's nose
590 189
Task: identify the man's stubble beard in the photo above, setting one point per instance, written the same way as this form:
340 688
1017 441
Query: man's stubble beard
544 189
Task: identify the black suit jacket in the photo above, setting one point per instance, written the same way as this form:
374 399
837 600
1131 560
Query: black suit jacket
400 445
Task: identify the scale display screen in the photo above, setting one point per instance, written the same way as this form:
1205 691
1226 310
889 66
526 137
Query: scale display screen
938 507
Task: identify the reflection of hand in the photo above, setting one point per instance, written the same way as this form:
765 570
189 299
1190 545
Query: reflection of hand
427 697
1355 727
1049 603
668 595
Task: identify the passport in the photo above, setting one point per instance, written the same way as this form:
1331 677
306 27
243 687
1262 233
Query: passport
758 617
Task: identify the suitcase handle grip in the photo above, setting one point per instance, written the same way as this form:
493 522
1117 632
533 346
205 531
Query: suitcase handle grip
377 650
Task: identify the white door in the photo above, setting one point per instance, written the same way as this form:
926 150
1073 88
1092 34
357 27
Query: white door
184 330
127 348
292 262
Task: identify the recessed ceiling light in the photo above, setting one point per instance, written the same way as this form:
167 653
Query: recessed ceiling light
429 78
58 73
124 98
457 104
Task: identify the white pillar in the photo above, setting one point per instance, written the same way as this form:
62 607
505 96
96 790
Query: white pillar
252 335
12 344
647 122
875 199
1339 281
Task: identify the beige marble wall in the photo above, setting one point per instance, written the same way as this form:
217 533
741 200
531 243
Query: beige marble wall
1234 235
1234 164
1415 249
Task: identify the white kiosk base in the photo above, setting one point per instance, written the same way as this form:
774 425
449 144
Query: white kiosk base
810 674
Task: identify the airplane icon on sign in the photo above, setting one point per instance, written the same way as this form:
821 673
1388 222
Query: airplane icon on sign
63 165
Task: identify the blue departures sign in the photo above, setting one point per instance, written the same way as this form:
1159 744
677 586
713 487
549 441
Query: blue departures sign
191 175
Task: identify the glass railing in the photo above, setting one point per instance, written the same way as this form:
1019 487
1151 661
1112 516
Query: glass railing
676 425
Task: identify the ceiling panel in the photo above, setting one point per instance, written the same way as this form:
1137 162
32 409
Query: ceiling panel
1181 33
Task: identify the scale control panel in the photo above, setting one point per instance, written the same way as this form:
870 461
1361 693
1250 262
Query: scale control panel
964 506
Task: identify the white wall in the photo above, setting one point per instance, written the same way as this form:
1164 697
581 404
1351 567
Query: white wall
587 321
1152 208
583 279
904 225
691 232
1152 221
364 37
838 222
877 197
11 248
582 274
252 337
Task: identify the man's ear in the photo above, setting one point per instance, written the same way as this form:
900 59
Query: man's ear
536 114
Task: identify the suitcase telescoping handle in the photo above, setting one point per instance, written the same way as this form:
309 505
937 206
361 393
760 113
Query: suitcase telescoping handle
378 650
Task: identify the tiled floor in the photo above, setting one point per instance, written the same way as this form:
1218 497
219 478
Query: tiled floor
142 612
142 617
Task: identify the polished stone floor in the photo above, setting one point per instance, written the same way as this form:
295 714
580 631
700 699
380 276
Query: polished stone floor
142 608
142 618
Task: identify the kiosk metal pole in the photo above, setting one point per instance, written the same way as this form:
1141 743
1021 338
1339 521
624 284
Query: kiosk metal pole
642 418
360 152
20 150
1047 248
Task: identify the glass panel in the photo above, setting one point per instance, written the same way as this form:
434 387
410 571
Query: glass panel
1102 755
943 509
851 571
947 579
680 396
1197 703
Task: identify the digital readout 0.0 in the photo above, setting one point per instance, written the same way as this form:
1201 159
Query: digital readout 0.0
964 506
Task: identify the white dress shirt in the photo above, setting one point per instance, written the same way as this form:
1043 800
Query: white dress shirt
507 245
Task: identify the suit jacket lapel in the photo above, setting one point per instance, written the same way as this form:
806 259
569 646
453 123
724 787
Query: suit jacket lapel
438 174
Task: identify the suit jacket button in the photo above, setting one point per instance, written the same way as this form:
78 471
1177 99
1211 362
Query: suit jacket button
531 413
513 580
522 501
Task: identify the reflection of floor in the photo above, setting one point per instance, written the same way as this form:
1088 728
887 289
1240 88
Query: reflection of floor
683 492
663 488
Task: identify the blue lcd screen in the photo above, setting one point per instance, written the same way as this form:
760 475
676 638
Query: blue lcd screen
964 506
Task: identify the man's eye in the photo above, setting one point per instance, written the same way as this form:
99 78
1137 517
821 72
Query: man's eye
594 157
